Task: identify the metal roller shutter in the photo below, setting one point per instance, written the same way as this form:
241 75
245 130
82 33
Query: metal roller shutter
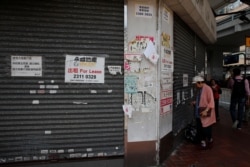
44 118
183 64
200 55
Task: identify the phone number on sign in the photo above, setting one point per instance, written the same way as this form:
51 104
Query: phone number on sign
84 76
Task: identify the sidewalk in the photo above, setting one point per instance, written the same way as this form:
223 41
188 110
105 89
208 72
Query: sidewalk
231 147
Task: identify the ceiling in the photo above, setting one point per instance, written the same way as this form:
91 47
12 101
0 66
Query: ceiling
236 39
217 4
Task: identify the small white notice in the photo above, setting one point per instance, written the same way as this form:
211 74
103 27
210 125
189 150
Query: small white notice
26 66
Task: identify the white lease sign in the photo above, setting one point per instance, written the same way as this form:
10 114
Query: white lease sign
84 69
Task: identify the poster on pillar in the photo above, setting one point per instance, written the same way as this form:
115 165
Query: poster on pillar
167 63
140 70
166 68
166 93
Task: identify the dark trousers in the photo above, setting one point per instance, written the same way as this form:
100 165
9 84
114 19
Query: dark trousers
204 133
237 114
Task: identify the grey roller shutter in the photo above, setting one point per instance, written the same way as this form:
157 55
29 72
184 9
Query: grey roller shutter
183 64
200 55
44 118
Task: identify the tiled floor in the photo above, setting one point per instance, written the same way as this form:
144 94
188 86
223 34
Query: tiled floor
231 148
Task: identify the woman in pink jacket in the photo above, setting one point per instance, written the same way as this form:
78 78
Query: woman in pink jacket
204 111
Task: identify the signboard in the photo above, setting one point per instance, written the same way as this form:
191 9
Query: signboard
248 52
185 80
84 69
247 47
247 41
30 66
142 10
166 101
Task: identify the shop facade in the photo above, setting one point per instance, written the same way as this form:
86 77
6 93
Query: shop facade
161 76
72 93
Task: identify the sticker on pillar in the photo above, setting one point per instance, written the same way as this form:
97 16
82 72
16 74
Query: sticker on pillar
167 60
126 65
166 14
166 80
130 84
166 101
165 40
139 44
142 10
147 81
132 62
150 52
133 57
128 110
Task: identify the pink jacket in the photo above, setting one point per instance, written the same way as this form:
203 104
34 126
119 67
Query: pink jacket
207 100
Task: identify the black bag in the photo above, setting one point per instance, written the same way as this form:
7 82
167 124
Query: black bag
191 133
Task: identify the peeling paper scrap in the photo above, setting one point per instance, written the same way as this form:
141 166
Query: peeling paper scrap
76 155
126 66
41 91
128 109
89 149
71 150
35 102
53 91
133 57
32 91
18 158
52 151
52 86
93 91
150 49
44 151
79 102
26 158
42 86
91 154
84 155
60 151
47 132
115 69
150 52
100 154
42 158
154 58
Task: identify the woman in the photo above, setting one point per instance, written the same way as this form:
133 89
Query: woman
216 92
205 118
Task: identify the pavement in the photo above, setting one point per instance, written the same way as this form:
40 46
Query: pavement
231 147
